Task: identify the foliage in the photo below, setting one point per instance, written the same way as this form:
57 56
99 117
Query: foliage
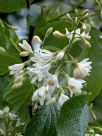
45 88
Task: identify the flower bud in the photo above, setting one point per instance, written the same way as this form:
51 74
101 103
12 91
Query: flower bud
24 53
6 109
1 132
87 43
18 79
36 39
58 34
83 26
36 43
12 116
69 16
60 55
49 31
51 101
2 50
17 85
63 98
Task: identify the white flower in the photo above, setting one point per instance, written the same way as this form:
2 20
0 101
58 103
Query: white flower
70 34
82 69
85 35
19 123
40 94
18 72
26 46
60 55
12 116
75 85
52 82
77 34
43 56
38 72
14 69
36 43
100 36
63 98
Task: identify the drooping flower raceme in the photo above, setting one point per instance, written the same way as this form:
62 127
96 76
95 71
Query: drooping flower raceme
44 67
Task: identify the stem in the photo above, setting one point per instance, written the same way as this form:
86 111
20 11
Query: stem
31 32
66 49
28 4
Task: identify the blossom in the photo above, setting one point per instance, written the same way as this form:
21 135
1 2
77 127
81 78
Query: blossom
17 71
42 57
82 69
38 72
25 46
12 116
70 34
60 55
19 123
77 34
40 95
16 68
52 82
63 98
100 36
36 43
75 85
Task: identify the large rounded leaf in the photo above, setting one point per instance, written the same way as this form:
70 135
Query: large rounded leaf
44 122
73 118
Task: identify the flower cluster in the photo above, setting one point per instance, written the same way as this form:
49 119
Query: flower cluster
10 116
43 69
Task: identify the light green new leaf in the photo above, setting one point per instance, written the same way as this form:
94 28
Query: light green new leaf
20 98
73 118
7 6
34 14
43 123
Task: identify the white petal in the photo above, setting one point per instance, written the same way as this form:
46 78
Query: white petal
25 46
62 99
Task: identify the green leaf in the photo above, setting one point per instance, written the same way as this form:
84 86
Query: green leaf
73 118
34 14
43 123
5 61
9 40
94 81
20 98
7 6
4 81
